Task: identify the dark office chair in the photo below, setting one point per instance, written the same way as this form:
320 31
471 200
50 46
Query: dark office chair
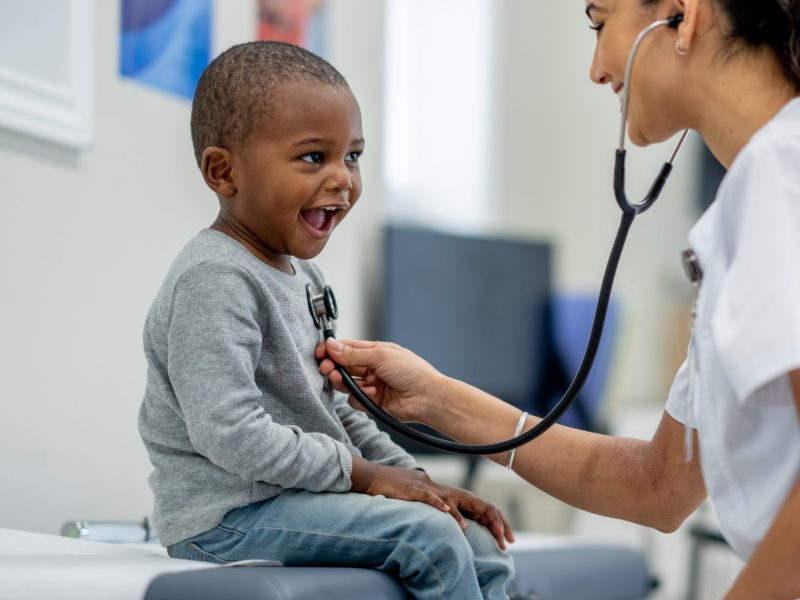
570 320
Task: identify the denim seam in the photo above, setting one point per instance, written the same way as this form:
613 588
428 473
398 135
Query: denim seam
427 560
194 550
363 539
232 530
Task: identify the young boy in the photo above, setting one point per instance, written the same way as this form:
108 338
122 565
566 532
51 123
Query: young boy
255 455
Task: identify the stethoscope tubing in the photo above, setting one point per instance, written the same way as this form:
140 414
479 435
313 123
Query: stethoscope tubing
555 413
629 212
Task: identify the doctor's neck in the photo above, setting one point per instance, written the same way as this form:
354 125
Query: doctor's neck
737 99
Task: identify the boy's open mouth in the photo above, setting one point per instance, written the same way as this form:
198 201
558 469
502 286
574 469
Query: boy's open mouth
321 220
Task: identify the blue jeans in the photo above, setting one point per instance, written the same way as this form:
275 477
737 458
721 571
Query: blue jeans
433 558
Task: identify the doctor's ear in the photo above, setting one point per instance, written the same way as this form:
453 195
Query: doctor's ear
217 169
697 19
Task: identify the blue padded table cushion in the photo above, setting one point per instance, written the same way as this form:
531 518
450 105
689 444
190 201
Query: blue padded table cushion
582 572
275 583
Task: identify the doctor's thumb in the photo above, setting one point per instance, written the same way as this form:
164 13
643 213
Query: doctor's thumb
335 347
342 353
352 354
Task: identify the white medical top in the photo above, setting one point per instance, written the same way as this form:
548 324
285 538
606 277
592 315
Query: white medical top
747 335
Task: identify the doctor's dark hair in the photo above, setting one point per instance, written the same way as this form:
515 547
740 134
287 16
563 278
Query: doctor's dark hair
235 92
765 24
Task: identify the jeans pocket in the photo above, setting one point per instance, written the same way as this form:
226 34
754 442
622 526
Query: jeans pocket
195 552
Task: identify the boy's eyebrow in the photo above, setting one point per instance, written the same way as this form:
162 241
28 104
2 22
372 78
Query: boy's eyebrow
322 141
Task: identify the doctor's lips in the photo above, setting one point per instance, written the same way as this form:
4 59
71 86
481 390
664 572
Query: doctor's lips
617 87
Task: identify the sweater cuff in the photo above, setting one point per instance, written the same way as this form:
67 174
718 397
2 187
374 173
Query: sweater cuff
346 463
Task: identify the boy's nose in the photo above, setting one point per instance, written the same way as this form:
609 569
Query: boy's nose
340 180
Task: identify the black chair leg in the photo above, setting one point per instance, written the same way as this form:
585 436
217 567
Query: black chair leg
471 472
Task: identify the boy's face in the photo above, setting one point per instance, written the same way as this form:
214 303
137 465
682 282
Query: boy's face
298 176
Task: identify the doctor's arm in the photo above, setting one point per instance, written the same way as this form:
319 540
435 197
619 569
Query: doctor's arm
773 571
646 482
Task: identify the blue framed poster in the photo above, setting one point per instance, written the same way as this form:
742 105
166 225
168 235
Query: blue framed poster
165 44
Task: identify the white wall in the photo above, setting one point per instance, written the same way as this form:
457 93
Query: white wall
85 239
438 124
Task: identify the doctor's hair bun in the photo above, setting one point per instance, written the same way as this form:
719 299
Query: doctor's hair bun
235 92
773 24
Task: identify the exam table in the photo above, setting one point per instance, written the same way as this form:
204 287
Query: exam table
36 566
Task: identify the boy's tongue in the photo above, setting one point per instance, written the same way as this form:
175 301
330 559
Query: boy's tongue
316 217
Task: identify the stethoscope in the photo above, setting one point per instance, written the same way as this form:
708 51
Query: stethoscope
324 310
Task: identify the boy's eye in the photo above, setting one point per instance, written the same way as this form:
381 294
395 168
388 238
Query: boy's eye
353 157
315 158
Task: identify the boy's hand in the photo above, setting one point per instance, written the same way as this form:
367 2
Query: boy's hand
409 484
482 512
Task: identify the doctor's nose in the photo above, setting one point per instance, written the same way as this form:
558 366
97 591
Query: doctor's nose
597 74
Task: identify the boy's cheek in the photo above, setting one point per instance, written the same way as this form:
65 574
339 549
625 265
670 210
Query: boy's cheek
343 215
355 193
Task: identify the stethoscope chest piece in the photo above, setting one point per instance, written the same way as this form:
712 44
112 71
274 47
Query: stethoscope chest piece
323 308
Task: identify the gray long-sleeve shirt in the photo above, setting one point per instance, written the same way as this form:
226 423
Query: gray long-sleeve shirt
235 409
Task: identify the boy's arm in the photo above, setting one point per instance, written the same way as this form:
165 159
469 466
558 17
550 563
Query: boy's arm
214 345
375 445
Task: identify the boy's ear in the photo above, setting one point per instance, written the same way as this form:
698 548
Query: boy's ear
217 168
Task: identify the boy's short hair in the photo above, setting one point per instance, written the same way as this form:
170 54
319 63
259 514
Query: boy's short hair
235 92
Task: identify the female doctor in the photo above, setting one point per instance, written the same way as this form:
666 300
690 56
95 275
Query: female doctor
731 72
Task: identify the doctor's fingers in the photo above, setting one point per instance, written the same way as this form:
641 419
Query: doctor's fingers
327 367
321 351
360 353
371 393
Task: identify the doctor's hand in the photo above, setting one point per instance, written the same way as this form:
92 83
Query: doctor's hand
416 486
395 378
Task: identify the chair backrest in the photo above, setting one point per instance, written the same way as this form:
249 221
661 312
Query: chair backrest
571 319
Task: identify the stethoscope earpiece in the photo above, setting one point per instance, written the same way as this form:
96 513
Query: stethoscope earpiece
675 20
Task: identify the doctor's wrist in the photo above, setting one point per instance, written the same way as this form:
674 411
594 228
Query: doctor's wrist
443 403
